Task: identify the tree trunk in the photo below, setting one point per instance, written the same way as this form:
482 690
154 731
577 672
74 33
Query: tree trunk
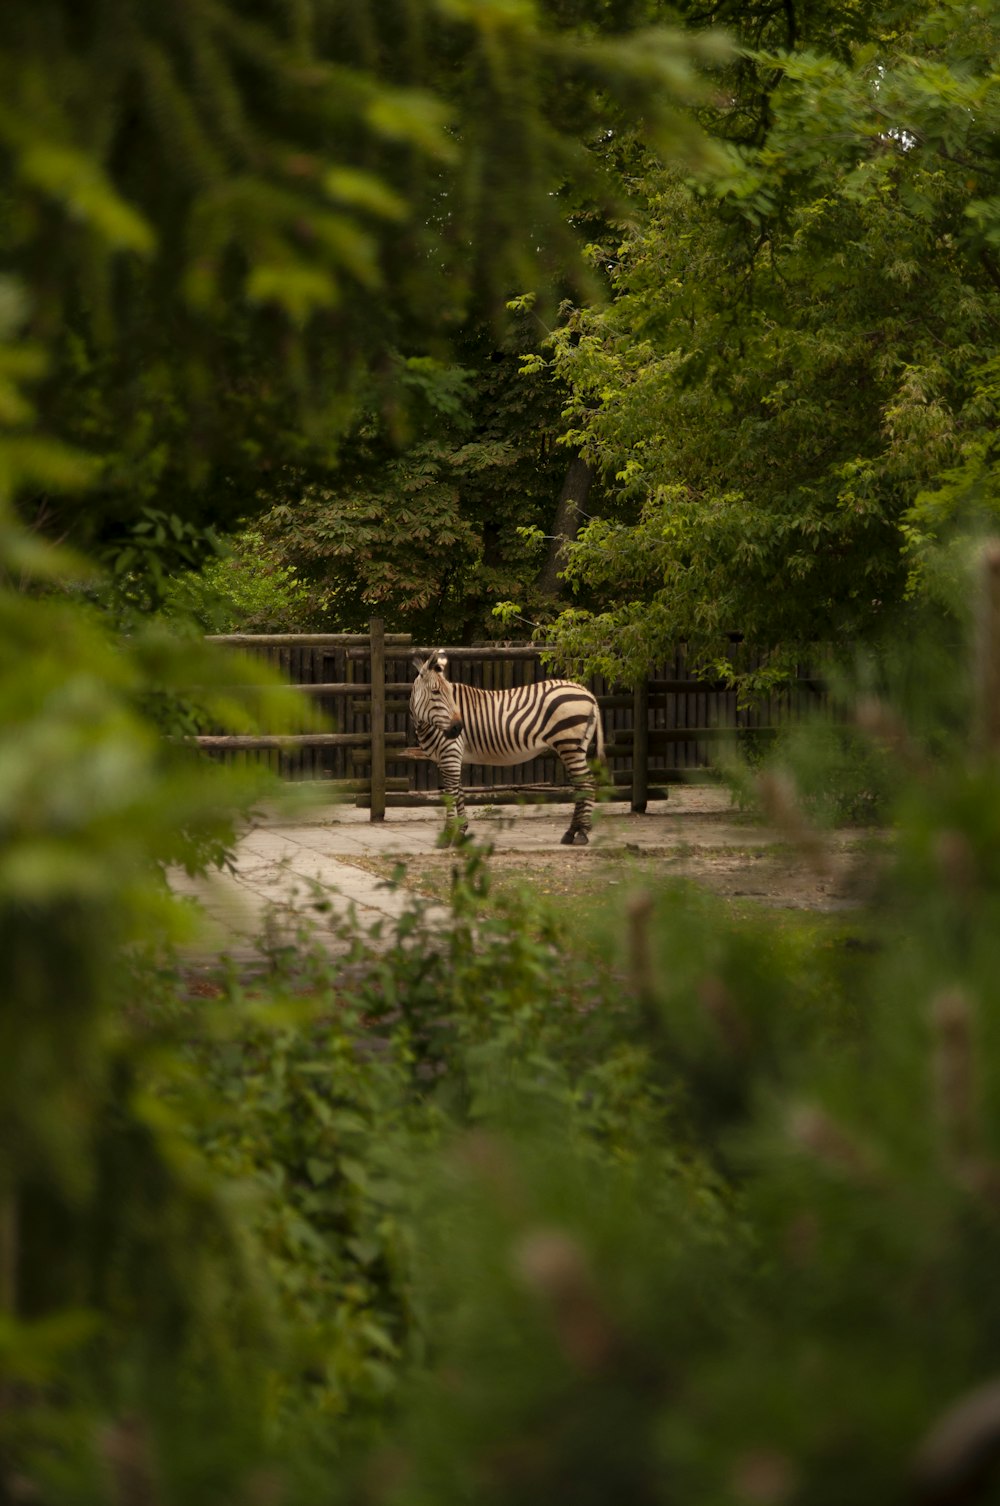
567 522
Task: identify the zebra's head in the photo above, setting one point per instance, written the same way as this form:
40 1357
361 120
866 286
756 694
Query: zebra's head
431 700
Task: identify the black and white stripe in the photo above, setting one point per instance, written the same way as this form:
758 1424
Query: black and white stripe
458 724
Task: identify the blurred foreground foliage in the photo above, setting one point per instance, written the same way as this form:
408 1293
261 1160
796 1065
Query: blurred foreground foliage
115 1257
224 220
669 1206
498 1208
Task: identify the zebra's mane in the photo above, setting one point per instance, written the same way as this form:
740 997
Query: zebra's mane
436 660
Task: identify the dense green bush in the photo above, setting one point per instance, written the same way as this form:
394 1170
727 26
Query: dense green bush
764 1272
130 1336
246 589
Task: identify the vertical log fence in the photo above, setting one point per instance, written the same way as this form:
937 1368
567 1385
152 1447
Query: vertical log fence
667 728
376 658
640 746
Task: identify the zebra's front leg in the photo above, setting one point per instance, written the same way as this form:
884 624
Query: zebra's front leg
450 771
575 764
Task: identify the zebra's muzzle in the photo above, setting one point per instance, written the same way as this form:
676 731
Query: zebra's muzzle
455 729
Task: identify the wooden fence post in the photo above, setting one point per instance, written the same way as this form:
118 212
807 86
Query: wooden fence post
640 746
377 658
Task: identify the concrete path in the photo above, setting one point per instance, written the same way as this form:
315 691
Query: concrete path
291 868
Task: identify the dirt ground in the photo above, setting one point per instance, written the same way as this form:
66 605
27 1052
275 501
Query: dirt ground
731 857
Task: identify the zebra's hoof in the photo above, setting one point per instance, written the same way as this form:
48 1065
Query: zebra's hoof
575 838
453 837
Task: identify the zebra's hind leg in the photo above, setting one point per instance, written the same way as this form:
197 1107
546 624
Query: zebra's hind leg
453 833
456 827
575 763
574 837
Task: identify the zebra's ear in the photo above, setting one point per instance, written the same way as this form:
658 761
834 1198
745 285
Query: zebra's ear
442 663
418 665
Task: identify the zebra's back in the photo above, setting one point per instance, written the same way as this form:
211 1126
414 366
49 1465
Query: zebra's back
507 727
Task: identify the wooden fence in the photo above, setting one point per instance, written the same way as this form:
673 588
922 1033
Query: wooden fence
665 729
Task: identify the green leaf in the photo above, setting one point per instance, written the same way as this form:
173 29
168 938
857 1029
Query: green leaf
76 180
300 289
363 190
319 1171
416 117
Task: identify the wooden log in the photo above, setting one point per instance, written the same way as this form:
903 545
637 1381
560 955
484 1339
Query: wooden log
615 701
393 704
658 689
640 747
622 779
335 787
304 640
500 652
399 688
377 756
720 687
360 752
664 737
343 687
290 741
503 795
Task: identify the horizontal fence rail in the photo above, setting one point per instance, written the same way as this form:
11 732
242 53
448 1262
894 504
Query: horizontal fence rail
670 726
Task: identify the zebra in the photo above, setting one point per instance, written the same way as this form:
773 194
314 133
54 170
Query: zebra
458 724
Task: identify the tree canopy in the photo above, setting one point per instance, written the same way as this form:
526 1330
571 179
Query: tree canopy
785 394
422 527
223 218
791 392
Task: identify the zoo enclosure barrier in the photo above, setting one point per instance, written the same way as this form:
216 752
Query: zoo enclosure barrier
663 730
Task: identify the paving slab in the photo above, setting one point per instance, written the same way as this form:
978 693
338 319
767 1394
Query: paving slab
280 884
344 830
290 868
